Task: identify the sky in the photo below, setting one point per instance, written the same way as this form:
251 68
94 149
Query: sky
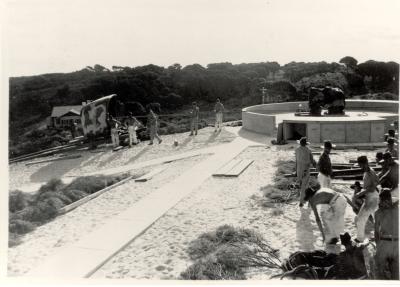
47 36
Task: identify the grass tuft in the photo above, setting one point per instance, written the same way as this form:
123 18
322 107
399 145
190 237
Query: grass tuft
225 253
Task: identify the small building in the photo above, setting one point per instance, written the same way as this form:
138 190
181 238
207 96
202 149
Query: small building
65 116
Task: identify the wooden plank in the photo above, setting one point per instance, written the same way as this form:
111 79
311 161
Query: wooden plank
350 177
118 148
150 175
44 153
54 159
81 201
241 167
227 167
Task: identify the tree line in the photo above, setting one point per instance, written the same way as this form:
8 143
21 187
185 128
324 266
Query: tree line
32 97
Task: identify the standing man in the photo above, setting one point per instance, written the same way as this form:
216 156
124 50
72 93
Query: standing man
133 124
370 204
219 112
392 148
114 124
152 126
324 166
387 237
304 159
194 119
73 129
390 177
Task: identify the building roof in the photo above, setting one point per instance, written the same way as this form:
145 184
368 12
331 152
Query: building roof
62 110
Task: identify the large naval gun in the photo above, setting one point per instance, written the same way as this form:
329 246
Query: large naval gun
330 98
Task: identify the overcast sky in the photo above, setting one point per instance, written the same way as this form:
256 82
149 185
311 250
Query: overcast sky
46 36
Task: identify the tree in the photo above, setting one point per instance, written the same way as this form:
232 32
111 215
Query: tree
350 62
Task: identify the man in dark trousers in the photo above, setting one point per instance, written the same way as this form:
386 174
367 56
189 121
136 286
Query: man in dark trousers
387 237
392 147
390 179
194 119
324 166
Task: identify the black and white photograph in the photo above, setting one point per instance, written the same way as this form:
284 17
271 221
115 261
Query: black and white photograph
200 141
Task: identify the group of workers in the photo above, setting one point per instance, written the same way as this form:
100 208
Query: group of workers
132 124
375 200
195 114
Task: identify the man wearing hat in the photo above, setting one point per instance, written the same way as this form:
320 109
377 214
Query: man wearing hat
370 205
133 124
392 147
390 179
357 201
324 166
387 237
194 119
304 159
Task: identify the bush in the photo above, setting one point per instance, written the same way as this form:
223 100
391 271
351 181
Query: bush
208 242
52 185
13 239
18 200
50 194
209 269
224 253
74 194
89 184
20 226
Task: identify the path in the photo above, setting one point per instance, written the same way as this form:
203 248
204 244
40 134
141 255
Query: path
95 249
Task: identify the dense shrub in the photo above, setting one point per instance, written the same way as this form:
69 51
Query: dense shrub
210 269
89 184
74 194
225 253
18 200
20 226
27 210
13 239
52 185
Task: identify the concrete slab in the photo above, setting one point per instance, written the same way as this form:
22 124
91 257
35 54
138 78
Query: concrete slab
84 257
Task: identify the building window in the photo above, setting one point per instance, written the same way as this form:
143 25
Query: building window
57 121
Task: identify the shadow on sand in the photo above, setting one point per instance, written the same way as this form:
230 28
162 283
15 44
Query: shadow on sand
56 169
139 154
304 231
255 137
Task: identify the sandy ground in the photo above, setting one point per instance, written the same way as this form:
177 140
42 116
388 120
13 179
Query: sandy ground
160 253
104 158
71 227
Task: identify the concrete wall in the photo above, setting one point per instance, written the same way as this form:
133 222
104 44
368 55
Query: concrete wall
371 105
261 119
259 123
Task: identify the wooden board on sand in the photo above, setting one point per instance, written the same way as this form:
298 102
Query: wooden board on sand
150 174
234 168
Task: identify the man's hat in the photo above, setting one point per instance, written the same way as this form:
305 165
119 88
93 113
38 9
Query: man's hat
328 144
362 159
345 238
379 155
391 141
387 155
385 194
303 141
356 184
